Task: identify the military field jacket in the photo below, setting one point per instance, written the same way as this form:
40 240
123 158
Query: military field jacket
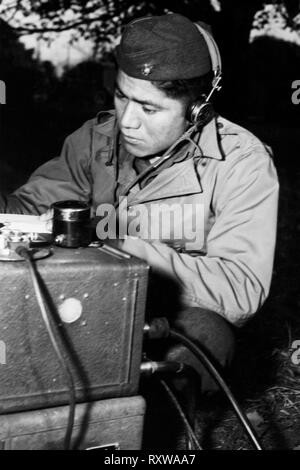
224 263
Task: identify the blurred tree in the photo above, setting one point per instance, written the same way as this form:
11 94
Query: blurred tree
26 78
103 18
80 91
28 83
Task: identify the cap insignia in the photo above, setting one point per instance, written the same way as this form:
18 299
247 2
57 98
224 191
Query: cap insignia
146 69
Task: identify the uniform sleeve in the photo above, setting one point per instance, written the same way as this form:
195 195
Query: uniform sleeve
62 178
233 277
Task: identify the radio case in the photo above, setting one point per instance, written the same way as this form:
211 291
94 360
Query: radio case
97 307
112 424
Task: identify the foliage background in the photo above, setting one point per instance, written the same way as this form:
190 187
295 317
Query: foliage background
42 108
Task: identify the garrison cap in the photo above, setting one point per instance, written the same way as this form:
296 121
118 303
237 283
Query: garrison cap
167 47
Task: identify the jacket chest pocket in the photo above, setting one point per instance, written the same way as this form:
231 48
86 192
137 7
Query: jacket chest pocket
178 222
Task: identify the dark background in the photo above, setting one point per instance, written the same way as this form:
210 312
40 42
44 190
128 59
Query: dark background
43 109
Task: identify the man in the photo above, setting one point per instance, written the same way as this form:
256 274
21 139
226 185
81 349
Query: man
209 170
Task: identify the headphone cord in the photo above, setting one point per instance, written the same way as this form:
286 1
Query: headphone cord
201 356
159 328
160 161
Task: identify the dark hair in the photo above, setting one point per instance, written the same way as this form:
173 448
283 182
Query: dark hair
188 89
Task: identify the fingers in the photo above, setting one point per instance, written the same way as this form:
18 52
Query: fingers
46 215
47 219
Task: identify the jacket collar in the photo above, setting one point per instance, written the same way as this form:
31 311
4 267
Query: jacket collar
182 178
209 141
105 123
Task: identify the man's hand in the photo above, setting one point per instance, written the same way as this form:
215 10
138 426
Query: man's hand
47 219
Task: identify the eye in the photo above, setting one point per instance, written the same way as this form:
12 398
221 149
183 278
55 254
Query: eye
149 110
119 95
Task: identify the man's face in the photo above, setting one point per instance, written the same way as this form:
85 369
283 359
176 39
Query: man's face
149 121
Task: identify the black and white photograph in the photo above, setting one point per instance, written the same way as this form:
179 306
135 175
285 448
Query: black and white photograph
149 227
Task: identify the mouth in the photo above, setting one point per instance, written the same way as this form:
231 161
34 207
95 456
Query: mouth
130 139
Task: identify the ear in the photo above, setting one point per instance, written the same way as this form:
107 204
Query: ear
192 110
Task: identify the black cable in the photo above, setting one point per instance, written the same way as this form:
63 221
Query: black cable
26 254
149 368
181 413
218 378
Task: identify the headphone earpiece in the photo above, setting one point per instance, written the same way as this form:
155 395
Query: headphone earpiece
201 110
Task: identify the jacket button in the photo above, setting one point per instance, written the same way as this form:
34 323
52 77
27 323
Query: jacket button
204 163
220 125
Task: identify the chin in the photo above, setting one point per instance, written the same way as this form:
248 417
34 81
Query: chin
136 151
140 155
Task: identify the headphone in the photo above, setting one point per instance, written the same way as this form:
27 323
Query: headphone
201 110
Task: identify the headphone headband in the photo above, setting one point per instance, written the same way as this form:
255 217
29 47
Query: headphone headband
200 112
213 50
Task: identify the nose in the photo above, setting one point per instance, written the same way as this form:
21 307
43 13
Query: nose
129 118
